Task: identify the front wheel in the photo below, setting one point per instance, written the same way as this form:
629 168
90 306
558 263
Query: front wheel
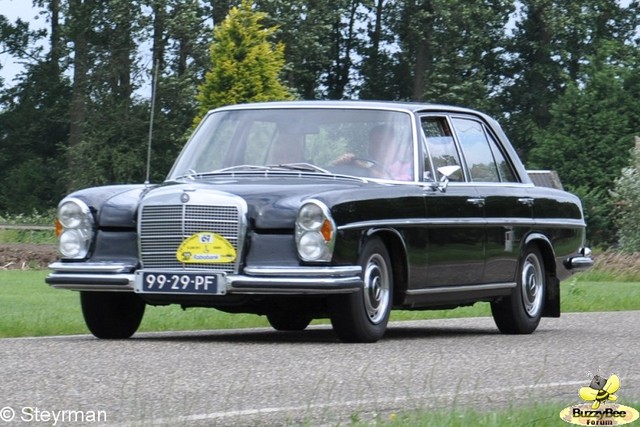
520 313
112 315
288 321
363 316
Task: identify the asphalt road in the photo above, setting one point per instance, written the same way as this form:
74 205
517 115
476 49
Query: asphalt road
263 377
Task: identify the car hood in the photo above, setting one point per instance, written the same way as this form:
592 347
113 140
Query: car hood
272 203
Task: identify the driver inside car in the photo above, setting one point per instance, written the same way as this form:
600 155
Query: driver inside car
387 158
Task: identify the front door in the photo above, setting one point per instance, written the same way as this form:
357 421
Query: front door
456 236
455 215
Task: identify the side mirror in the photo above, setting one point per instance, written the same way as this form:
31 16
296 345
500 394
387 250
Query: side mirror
446 172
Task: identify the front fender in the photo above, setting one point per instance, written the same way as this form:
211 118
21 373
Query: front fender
113 205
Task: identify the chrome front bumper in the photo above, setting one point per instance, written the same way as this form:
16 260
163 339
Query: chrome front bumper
116 277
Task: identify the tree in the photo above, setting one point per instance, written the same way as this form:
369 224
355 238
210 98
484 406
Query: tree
321 41
80 24
181 37
245 64
33 120
445 51
378 63
345 43
626 198
548 50
588 138
113 147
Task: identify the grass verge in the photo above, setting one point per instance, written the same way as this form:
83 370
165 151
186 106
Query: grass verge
28 307
531 416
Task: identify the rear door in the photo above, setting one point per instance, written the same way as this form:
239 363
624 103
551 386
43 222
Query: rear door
508 207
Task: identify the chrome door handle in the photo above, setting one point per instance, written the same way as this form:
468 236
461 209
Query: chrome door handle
477 202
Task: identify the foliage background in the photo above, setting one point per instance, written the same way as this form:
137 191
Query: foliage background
563 78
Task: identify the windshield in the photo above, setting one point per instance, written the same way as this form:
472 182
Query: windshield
359 142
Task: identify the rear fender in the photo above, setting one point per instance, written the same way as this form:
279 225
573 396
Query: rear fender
552 289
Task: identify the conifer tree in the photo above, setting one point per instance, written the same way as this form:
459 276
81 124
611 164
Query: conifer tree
246 65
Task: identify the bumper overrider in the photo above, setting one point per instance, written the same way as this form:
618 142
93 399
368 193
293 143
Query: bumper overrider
583 261
120 277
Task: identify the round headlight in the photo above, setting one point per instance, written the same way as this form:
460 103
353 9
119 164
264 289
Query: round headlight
76 228
311 245
73 214
315 232
310 217
73 244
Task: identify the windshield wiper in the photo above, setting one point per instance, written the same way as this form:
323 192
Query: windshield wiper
304 167
242 168
191 174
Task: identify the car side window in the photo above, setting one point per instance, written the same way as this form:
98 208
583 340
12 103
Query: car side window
441 147
504 168
477 152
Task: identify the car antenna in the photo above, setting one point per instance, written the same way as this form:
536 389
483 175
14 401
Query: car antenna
153 105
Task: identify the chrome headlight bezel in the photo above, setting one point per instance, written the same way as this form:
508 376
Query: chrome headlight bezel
315 232
76 228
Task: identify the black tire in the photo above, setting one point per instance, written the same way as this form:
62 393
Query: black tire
520 313
288 321
112 315
362 317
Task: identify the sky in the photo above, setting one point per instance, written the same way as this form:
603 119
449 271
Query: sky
14 9
24 9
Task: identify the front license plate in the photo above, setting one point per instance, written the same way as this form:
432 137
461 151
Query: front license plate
163 282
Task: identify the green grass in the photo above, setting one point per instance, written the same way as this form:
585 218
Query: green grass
531 416
27 236
28 307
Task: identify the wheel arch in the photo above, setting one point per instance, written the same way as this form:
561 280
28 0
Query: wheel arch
397 250
546 250
552 286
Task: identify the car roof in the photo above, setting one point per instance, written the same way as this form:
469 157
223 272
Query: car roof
395 105
408 107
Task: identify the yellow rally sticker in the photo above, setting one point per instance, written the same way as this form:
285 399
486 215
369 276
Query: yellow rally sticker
206 248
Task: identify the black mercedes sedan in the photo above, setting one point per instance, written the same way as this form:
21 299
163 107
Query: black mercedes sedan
343 210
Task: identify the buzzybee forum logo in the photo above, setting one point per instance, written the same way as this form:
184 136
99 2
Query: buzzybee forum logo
598 409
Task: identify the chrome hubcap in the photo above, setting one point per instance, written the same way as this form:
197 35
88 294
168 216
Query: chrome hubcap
376 288
532 285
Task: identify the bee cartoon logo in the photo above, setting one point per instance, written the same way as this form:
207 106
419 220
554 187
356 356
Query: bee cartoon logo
597 408
600 390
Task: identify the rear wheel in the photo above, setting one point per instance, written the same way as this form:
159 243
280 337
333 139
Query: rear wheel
520 313
112 315
288 321
363 316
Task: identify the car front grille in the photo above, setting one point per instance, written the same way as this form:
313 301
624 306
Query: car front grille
163 228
